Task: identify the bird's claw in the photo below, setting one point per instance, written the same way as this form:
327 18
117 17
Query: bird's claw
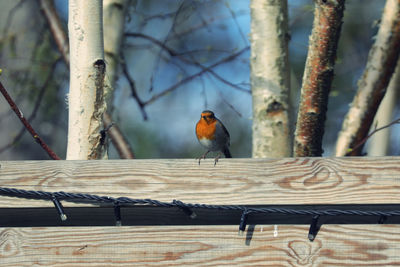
216 159
203 156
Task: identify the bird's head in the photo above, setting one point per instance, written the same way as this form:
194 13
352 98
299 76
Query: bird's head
208 116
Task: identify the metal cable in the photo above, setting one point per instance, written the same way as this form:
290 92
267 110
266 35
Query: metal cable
95 199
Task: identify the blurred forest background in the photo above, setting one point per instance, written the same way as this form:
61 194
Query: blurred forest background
163 40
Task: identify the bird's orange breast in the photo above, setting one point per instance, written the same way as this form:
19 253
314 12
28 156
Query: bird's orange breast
205 130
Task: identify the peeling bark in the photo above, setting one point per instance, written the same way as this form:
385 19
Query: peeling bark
60 37
270 80
87 70
114 13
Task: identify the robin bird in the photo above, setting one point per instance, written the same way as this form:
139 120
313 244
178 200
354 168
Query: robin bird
213 135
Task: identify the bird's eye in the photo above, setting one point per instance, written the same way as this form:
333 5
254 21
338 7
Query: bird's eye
204 117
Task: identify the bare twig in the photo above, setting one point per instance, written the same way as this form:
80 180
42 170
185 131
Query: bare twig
35 108
173 53
27 125
362 142
56 28
170 51
156 65
154 17
133 89
244 38
119 141
10 17
190 78
205 24
228 103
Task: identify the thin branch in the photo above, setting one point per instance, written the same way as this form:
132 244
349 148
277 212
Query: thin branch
23 77
27 125
204 24
173 53
154 17
157 64
190 78
35 108
133 88
10 17
56 28
234 17
362 142
228 103
194 62
119 141
170 51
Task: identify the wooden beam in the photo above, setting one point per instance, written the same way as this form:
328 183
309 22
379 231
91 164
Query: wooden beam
292 181
336 245
352 180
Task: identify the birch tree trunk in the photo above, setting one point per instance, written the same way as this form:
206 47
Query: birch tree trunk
381 63
114 12
379 143
270 78
87 69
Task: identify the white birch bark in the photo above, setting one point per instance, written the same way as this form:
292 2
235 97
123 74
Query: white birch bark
270 78
379 143
114 12
372 85
87 68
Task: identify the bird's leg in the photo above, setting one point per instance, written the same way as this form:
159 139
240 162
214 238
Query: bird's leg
204 156
217 158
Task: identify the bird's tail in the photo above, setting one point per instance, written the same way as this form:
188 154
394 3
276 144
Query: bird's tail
227 153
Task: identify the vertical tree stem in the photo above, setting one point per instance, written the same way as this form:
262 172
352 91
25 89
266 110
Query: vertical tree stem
87 70
317 78
270 78
381 64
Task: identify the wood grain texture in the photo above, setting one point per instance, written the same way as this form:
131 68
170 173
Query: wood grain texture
233 181
336 245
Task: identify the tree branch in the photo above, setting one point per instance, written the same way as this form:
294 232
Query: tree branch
190 78
318 76
173 53
371 134
119 141
10 16
372 86
133 89
27 125
56 28
39 98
